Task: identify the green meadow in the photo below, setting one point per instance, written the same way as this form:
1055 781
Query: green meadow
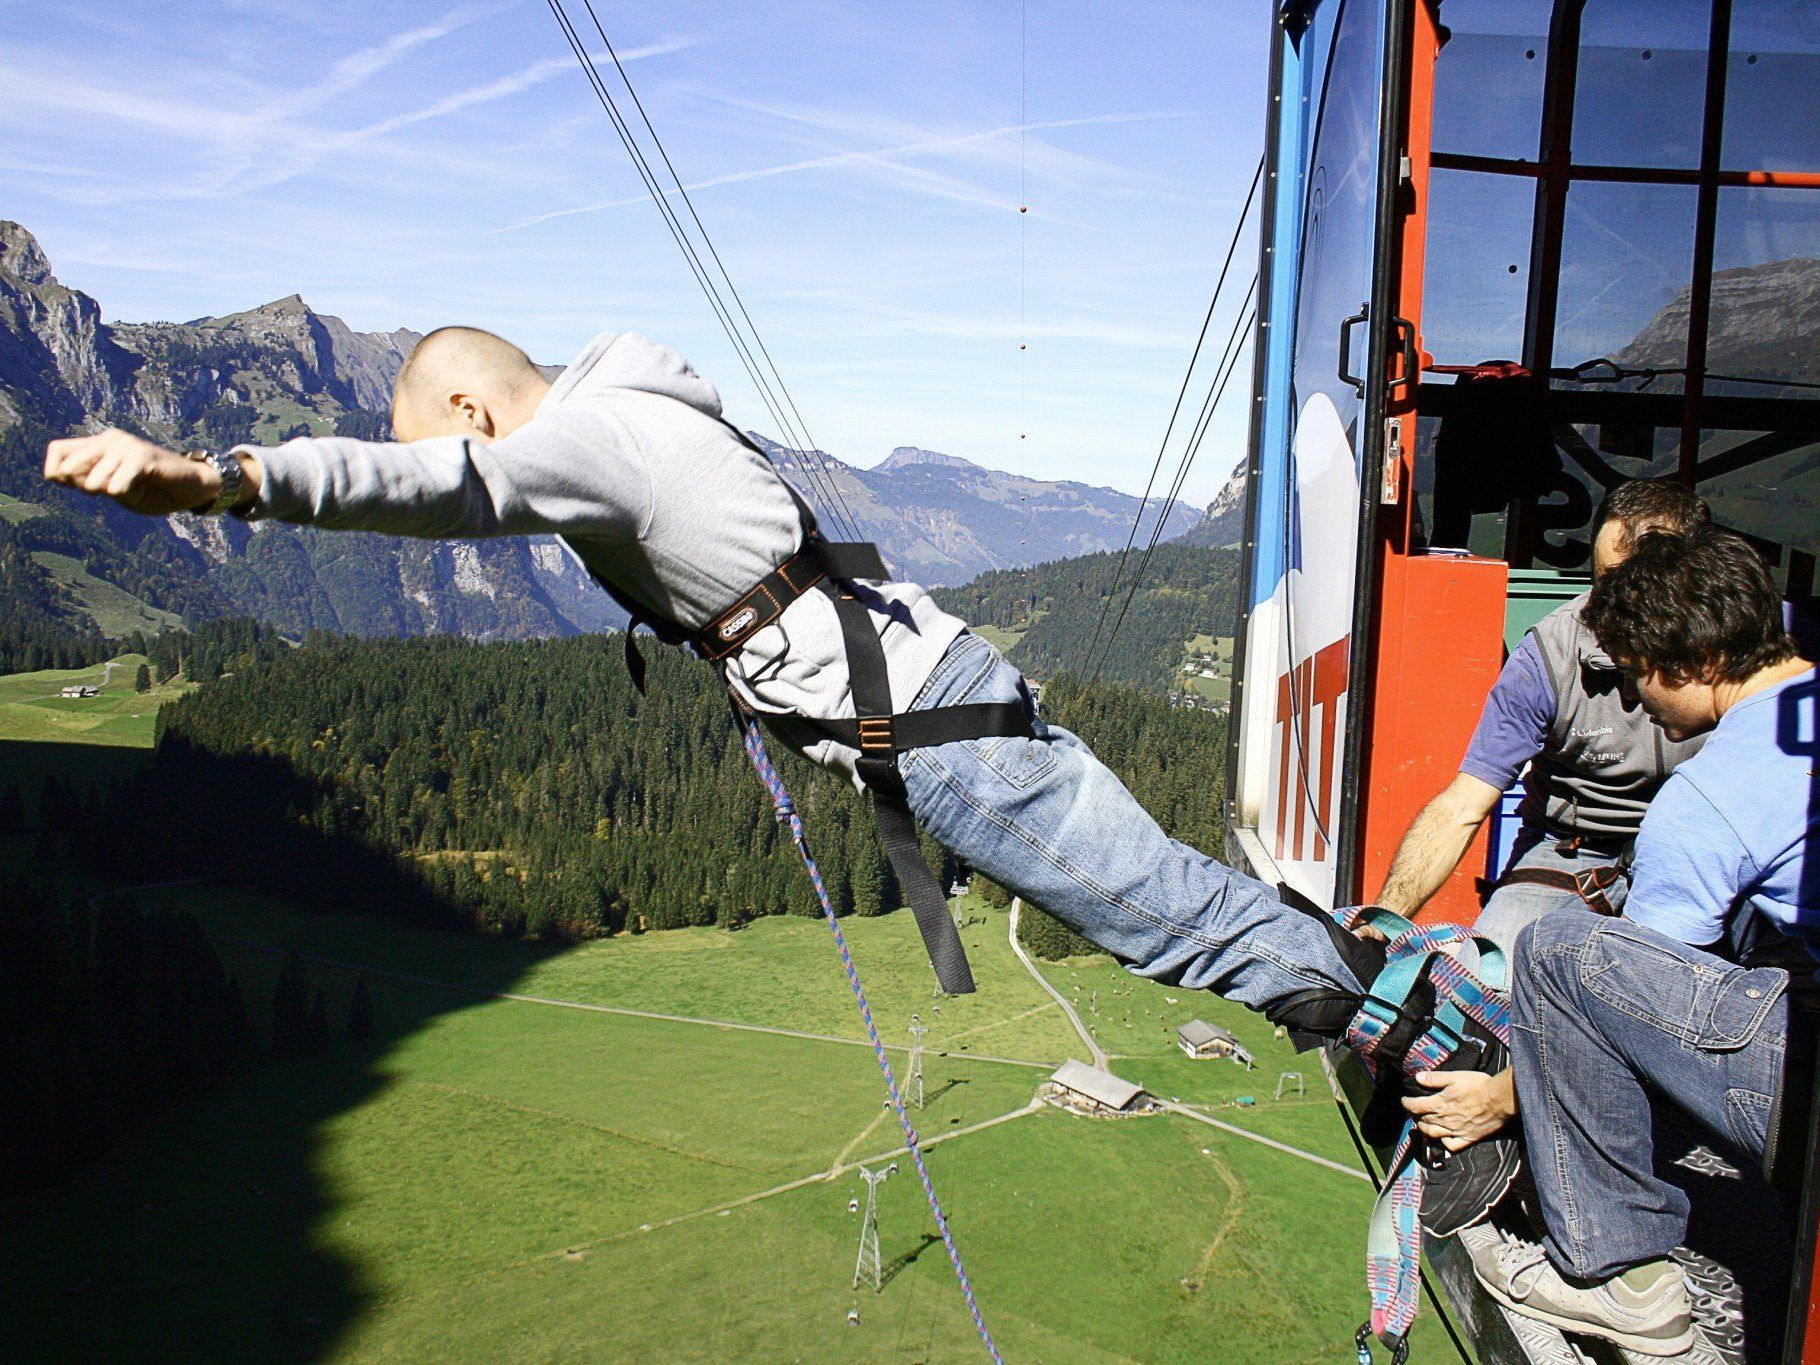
513 1179
644 1148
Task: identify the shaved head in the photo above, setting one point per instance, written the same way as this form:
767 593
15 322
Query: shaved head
463 381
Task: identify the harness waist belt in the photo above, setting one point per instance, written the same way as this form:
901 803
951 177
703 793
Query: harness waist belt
1590 883
766 601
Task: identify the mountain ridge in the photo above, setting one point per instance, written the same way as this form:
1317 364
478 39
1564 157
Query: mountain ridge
281 369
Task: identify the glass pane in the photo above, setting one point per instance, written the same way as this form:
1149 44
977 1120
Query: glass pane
1766 290
1772 87
1488 78
1639 97
1626 265
1476 280
1776 500
1335 275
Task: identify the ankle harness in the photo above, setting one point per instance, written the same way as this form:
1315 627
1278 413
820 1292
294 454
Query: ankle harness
1395 1036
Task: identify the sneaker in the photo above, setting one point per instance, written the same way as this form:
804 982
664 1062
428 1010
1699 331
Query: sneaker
1460 1188
1645 1309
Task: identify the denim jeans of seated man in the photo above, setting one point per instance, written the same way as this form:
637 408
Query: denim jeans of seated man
1605 1011
1513 907
1049 822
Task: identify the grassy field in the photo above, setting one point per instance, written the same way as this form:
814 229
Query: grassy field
16 510
501 1179
31 710
115 611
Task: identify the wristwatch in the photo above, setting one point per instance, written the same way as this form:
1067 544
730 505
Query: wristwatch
227 465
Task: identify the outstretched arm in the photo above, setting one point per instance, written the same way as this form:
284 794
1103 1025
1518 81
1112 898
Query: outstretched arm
562 474
1436 841
140 476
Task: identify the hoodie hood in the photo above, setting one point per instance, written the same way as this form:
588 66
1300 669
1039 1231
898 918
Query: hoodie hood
626 360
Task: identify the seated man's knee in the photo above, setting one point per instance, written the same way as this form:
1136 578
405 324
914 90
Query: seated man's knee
1559 936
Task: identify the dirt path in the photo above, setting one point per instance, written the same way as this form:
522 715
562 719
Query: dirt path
1093 1048
1188 1113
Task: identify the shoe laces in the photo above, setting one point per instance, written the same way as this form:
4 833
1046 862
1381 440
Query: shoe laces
1520 1265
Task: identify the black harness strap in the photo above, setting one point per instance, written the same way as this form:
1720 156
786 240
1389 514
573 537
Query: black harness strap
875 725
878 731
1590 884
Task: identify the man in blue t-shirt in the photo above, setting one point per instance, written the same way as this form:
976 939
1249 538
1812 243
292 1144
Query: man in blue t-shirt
1607 1011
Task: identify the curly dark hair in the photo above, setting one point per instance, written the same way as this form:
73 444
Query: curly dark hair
1698 606
1653 505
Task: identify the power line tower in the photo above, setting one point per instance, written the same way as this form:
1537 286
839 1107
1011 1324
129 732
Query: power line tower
913 1078
867 1266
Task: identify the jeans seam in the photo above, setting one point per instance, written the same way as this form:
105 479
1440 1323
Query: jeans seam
1117 902
1569 1208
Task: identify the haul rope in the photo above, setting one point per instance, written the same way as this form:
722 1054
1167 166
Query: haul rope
787 815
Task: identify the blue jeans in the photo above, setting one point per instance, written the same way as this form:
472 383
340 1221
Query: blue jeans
1604 1011
1049 822
1512 908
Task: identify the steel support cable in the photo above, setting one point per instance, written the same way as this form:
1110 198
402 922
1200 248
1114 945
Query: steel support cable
742 347
1217 387
1187 375
691 257
1229 362
801 424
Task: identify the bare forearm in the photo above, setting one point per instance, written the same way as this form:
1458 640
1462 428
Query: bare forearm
1435 843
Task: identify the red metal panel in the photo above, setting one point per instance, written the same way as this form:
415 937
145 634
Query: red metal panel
1440 646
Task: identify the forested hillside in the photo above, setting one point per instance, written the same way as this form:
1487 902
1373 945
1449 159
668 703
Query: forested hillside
1061 607
527 789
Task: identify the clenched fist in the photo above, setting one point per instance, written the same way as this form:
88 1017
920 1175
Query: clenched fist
136 474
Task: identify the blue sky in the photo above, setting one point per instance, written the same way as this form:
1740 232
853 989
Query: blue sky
859 165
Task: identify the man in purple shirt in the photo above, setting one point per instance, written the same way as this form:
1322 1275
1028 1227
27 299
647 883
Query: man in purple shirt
1594 758
1594 761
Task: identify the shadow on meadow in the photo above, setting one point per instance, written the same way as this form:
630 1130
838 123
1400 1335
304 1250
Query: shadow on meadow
200 1233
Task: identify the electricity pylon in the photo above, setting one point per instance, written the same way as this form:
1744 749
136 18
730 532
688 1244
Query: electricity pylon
867 1266
913 1078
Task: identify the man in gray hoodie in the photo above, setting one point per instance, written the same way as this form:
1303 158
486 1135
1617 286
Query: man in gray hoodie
627 458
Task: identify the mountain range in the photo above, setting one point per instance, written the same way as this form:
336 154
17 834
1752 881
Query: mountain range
283 370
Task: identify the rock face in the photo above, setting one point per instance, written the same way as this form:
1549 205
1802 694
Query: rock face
278 370
1224 521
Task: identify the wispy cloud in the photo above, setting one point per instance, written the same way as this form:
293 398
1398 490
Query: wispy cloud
259 143
886 159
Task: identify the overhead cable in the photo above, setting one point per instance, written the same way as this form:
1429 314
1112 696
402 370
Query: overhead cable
820 480
1228 363
1238 228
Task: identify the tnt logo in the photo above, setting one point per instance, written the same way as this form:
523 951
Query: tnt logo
1308 761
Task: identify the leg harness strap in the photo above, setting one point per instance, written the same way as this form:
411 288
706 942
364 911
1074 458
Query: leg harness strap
1590 884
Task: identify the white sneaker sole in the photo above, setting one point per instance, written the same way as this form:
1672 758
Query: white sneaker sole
1630 1341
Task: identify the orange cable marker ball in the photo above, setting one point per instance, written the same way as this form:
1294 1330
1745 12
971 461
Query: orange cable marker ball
1023 208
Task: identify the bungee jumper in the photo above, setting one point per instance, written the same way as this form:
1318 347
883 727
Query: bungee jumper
626 457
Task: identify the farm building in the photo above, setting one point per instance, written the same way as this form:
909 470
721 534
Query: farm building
1200 1039
1088 1090
80 690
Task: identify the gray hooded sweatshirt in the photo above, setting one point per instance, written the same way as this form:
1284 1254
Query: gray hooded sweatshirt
626 460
